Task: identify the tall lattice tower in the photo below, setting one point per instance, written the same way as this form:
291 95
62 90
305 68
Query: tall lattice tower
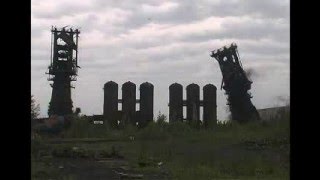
236 84
63 69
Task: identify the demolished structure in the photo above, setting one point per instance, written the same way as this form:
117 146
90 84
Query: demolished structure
236 84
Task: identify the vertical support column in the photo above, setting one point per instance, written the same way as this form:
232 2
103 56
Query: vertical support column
193 103
175 102
146 103
129 103
209 105
61 102
110 104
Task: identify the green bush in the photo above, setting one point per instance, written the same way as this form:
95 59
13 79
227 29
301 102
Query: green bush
153 131
82 127
179 128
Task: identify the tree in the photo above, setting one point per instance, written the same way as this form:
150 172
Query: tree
77 111
35 108
161 119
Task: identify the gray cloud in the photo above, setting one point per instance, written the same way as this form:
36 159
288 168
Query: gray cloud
163 42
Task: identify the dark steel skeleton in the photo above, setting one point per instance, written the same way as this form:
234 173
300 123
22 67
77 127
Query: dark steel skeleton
63 69
236 84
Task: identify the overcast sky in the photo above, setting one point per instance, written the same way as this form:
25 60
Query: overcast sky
164 42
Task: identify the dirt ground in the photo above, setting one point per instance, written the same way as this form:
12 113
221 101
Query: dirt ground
84 169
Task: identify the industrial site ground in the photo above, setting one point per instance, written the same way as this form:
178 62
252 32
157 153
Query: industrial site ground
256 150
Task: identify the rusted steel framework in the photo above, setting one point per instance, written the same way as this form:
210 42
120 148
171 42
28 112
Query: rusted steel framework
63 69
236 84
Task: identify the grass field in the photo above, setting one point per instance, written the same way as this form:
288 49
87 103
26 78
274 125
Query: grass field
165 151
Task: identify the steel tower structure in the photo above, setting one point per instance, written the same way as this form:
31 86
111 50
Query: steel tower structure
63 69
236 84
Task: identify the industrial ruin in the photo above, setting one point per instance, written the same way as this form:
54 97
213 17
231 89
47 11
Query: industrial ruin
63 69
128 114
193 103
236 84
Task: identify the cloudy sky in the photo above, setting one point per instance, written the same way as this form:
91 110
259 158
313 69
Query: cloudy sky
164 42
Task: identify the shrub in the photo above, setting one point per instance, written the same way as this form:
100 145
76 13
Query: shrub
35 108
152 131
82 127
179 127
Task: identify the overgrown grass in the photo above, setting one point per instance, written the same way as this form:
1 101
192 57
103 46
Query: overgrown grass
256 150
253 151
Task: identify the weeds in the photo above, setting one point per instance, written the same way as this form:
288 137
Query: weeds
256 150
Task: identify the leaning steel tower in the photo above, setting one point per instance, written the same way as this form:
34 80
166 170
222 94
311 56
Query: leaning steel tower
63 69
236 84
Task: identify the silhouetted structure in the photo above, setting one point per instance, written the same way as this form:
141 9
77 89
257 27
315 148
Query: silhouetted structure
236 84
193 104
209 105
129 102
63 69
146 103
175 102
128 114
110 104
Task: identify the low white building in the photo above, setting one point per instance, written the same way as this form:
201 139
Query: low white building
268 114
